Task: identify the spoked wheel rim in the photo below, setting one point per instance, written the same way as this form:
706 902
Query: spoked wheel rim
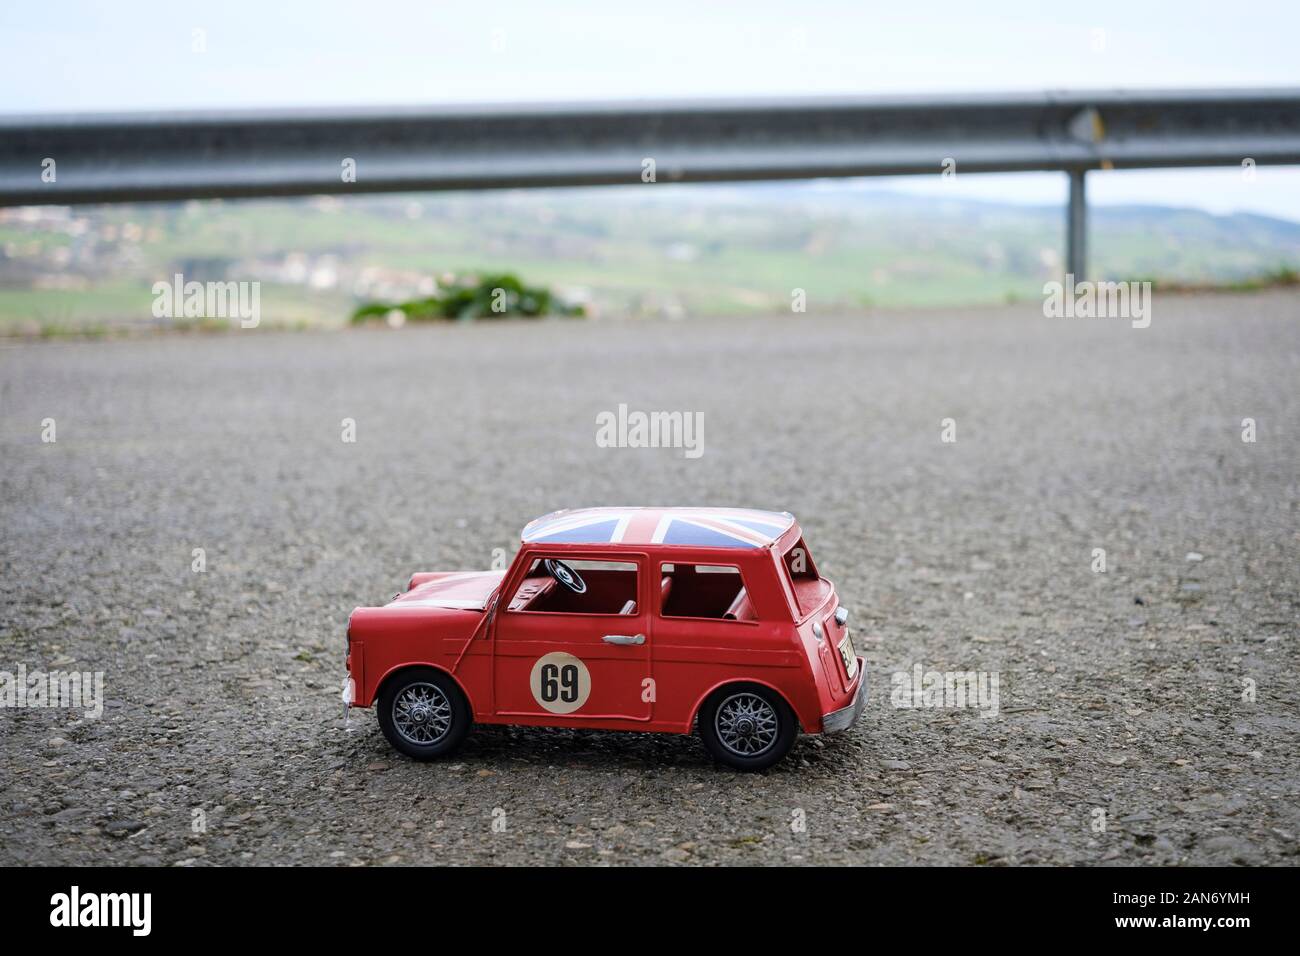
422 714
747 725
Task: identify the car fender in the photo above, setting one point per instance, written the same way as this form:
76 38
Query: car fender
699 704
406 666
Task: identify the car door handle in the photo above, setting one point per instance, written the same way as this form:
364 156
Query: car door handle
624 638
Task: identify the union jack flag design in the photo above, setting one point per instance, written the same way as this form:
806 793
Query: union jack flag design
697 527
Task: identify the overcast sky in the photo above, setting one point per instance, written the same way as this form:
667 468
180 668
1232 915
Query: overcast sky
80 56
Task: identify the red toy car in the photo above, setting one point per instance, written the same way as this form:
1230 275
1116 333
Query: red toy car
646 619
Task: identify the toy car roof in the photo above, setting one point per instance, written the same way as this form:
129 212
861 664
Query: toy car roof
687 527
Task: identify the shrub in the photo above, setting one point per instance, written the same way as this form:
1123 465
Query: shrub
469 298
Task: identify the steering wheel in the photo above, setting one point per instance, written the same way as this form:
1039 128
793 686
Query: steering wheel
565 575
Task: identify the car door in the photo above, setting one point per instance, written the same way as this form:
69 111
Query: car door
572 662
709 629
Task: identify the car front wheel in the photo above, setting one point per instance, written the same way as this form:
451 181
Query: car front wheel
747 727
423 713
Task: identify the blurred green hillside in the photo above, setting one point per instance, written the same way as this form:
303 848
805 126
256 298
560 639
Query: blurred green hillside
672 251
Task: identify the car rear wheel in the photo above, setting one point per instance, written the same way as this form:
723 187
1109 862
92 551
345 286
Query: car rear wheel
747 726
423 713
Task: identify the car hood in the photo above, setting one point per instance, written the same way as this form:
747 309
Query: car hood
468 590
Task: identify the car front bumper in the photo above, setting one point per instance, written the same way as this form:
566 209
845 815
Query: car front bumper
846 717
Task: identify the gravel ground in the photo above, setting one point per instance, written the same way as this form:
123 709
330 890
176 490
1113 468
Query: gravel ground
1124 696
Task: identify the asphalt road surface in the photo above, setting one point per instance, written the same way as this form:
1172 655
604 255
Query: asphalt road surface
1146 714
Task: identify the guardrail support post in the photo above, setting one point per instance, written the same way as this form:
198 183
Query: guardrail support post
1076 228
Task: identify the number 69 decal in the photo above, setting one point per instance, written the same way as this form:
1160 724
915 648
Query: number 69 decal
560 682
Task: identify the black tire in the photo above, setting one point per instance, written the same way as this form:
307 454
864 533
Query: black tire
446 718
742 700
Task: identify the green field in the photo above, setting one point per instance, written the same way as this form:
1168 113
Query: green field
676 251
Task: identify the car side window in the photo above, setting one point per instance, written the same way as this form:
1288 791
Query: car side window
560 585
704 590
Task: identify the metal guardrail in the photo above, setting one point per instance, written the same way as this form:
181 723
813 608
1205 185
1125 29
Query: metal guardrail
167 156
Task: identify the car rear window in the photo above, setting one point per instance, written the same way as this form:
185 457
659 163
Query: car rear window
808 587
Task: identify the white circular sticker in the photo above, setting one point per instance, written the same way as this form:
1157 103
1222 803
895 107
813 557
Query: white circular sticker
560 682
